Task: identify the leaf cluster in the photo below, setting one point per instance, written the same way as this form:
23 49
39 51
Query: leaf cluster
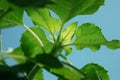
43 44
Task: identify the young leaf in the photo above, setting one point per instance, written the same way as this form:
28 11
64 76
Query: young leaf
67 9
95 72
90 36
11 19
48 61
66 36
42 17
30 45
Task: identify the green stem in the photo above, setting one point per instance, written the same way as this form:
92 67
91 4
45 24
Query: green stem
66 59
32 73
58 38
15 56
35 36
81 72
0 41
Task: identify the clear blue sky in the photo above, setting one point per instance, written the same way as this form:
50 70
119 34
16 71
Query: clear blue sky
108 18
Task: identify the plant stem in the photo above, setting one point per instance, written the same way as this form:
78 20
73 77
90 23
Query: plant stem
32 73
0 41
81 72
66 59
58 38
35 36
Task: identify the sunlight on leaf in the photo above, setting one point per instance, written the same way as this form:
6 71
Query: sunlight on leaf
30 45
67 34
88 35
13 18
67 9
42 17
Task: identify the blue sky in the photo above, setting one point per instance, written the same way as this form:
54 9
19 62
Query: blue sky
107 18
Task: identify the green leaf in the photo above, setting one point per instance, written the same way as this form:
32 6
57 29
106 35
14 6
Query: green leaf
27 3
90 36
4 4
11 19
67 9
30 45
95 72
18 55
48 61
42 17
39 75
66 36
114 44
65 73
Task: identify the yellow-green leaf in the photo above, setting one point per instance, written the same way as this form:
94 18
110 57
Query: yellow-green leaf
42 17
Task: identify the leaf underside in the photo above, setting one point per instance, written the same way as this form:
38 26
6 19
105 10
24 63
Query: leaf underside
88 35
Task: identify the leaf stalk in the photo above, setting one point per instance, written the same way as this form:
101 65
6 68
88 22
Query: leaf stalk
35 36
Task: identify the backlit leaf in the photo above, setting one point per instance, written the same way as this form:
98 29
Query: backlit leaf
66 36
67 9
95 72
30 45
13 18
42 17
90 36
